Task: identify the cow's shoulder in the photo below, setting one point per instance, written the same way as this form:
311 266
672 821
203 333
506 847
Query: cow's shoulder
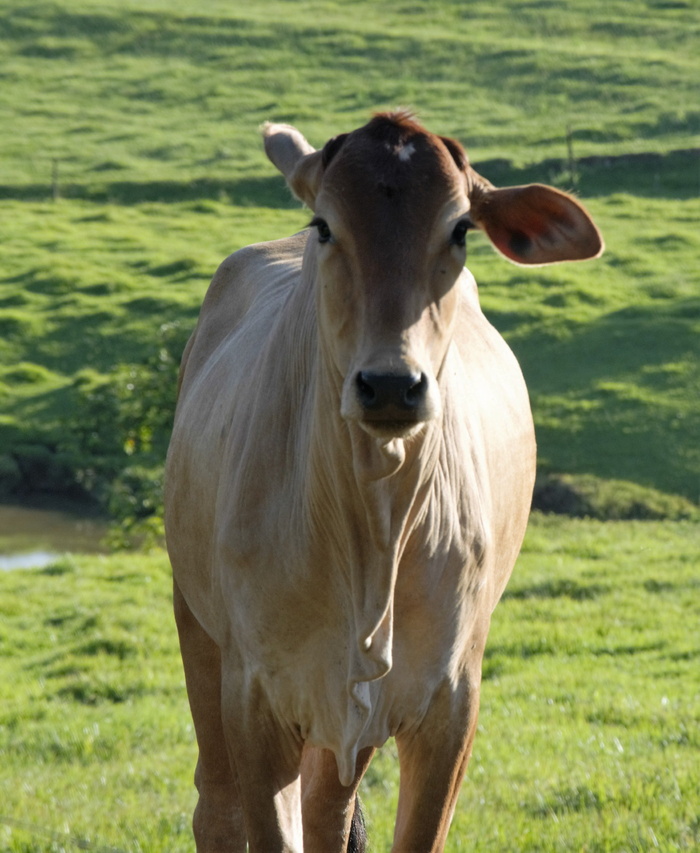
250 271
248 278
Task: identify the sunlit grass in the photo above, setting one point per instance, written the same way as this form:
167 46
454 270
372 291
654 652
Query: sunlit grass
588 732
146 91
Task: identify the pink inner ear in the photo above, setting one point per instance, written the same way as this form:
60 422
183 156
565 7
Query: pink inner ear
519 237
538 225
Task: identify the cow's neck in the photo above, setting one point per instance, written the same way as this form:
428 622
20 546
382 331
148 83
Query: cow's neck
367 493
363 504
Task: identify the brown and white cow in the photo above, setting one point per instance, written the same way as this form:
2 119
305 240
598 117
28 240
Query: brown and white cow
348 485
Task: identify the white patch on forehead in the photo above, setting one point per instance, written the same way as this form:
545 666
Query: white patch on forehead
405 152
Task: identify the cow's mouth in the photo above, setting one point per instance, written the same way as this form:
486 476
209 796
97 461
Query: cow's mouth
387 428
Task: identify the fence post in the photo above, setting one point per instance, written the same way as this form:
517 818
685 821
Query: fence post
573 173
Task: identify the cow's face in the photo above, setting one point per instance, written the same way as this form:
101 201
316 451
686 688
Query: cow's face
390 220
392 204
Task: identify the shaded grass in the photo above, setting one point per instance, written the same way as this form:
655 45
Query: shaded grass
148 91
609 349
90 285
588 731
141 118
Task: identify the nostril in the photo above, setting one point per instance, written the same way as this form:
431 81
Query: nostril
415 394
365 390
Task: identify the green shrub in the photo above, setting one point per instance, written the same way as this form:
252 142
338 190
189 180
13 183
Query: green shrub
587 496
119 434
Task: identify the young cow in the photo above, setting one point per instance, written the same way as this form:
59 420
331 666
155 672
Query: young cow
348 485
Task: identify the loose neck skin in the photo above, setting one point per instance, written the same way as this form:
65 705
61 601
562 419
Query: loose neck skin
364 496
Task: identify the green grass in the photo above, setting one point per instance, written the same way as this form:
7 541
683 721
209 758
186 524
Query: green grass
142 118
86 288
588 733
609 349
146 91
95 725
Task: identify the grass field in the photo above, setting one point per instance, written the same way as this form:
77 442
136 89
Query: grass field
588 735
141 118
131 165
144 91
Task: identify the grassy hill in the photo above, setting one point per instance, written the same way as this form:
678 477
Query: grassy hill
130 165
133 165
145 91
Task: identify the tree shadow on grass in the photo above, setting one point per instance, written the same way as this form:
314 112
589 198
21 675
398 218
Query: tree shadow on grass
270 191
648 175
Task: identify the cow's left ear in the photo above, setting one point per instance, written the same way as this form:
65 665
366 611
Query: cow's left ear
534 224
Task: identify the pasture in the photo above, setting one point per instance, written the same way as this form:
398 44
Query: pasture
131 165
588 733
140 121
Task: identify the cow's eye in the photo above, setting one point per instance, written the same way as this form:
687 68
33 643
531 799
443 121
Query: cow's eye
324 232
459 234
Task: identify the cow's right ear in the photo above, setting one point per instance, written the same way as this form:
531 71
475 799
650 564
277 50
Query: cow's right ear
305 180
296 159
299 162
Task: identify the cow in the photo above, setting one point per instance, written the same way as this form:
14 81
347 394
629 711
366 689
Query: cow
347 488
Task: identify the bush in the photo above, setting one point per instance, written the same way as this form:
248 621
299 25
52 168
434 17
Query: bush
587 496
119 436
10 475
38 467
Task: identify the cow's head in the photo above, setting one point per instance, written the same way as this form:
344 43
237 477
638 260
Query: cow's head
392 204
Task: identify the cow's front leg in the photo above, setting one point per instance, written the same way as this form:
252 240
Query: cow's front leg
327 806
218 819
267 758
433 759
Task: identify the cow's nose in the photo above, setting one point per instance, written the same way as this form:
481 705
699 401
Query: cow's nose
391 394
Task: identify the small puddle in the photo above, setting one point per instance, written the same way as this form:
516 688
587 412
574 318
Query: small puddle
32 560
33 537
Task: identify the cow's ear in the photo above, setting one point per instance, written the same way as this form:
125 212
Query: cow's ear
305 181
298 161
534 224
